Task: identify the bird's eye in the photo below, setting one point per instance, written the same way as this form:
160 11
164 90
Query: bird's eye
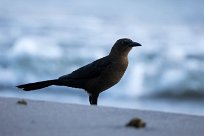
126 42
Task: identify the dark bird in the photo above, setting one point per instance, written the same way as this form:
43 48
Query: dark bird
95 77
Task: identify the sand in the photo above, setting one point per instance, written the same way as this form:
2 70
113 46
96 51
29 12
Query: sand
34 118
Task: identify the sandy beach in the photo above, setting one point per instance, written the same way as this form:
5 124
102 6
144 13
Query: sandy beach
33 118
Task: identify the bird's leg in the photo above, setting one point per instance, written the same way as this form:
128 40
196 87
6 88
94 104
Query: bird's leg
93 99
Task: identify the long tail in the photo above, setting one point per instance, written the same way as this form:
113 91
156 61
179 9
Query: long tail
38 85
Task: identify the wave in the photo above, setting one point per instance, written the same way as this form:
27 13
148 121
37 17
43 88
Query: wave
44 45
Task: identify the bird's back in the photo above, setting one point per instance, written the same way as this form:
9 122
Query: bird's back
81 76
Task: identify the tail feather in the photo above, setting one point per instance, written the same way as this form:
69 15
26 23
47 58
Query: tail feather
38 85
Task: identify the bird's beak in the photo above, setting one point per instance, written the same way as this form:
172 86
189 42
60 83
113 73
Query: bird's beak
134 44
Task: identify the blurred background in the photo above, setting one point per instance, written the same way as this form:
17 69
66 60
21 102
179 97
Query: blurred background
42 40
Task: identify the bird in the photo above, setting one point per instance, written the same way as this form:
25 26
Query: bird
94 77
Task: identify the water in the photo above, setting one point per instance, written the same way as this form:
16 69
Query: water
42 40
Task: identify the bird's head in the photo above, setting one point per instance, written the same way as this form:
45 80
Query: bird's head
123 47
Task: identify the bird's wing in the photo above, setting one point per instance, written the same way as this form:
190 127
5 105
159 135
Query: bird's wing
91 70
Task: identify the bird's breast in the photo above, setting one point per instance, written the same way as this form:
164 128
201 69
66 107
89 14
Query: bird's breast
111 76
115 72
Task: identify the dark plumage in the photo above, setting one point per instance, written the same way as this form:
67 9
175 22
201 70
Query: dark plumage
95 77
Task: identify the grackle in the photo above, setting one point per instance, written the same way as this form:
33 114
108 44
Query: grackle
95 77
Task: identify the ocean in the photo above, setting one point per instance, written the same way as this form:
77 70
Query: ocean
42 40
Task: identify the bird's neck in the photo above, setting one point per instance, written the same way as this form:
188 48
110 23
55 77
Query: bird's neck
118 56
